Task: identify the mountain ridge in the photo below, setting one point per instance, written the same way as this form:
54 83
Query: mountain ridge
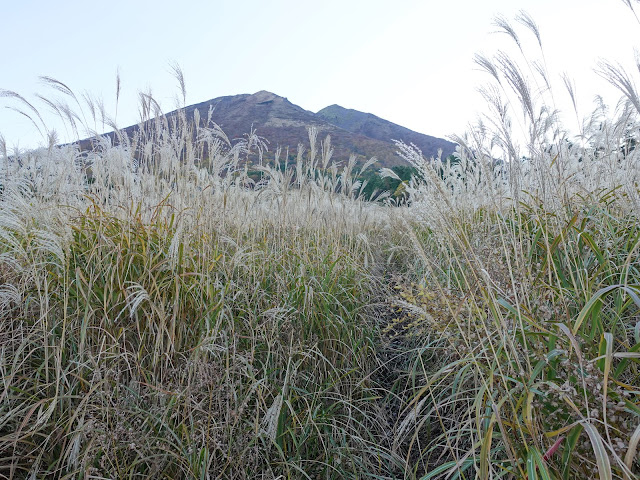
378 128
284 124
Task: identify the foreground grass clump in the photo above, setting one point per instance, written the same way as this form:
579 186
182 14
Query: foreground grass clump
228 337
525 309
541 359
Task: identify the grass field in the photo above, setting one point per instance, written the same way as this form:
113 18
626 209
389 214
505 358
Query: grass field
162 315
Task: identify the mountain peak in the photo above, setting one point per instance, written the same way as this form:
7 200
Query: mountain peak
264 96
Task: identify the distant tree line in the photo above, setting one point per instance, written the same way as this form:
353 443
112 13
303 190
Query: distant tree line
376 183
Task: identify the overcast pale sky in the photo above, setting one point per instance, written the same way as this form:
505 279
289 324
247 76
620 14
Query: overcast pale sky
408 61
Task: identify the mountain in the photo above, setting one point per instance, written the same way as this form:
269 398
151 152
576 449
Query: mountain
284 124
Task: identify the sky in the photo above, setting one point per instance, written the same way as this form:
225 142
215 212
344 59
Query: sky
408 61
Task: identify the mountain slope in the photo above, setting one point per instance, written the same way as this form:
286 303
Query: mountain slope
284 124
378 128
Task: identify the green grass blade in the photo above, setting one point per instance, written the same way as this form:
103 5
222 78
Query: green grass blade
599 450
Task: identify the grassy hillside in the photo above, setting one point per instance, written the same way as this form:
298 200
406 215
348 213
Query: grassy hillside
163 315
